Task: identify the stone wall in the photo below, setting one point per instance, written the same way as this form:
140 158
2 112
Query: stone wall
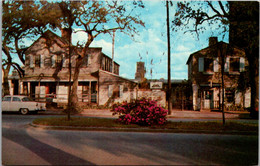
113 88
157 95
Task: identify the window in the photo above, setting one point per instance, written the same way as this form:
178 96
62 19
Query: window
6 99
209 94
27 99
208 64
230 95
234 64
16 99
37 61
59 60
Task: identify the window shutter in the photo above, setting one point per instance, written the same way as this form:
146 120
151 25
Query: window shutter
227 64
201 64
53 60
42 61
110 90
64 61
42 91
32 61
242 64
216 65
121 88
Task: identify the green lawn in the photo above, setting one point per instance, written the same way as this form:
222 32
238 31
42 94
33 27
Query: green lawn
112 123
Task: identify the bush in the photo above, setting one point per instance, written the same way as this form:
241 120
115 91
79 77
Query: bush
141 112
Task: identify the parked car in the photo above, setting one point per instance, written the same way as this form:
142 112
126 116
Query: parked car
22 104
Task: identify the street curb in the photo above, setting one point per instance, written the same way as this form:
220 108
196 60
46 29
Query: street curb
150 130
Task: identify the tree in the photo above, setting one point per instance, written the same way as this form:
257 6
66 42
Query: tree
240 19
21 20
95 18
244 20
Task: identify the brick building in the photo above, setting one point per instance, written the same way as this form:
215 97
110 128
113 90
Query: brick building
204 73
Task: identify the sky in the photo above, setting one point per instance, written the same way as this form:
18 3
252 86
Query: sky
150 45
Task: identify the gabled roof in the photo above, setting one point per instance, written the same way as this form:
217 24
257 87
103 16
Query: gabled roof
115 75
50 35
212 46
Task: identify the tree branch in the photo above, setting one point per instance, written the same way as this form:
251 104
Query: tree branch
212 7
222 8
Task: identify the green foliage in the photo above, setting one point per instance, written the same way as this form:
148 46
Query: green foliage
193 16
142 112
110 124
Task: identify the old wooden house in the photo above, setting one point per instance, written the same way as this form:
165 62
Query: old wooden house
47 73
204 73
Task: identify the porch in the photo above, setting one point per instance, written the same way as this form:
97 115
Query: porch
57 92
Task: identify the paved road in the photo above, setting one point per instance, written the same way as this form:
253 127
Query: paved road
22 144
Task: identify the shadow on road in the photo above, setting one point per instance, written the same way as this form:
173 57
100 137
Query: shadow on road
49 153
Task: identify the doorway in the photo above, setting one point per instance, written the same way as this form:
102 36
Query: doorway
208 99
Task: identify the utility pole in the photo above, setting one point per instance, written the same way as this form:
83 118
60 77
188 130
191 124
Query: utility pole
169 61
113 52
223 56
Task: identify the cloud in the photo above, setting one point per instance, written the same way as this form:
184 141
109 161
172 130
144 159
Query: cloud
106 46
182 48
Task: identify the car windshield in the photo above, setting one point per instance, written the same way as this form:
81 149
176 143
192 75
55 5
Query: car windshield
27 99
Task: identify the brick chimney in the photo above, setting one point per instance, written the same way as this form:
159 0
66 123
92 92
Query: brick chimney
213 40
66 33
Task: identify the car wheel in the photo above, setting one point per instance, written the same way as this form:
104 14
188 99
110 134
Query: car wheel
24 111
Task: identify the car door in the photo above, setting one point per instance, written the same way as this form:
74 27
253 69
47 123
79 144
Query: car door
6 102
16 104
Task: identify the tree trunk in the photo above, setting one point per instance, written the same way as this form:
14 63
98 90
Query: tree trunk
6 87
222 56
74 90
254 80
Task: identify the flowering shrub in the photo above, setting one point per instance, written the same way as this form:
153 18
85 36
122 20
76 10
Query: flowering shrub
141 112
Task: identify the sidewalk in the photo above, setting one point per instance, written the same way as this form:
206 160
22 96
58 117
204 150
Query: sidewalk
176 114
186 114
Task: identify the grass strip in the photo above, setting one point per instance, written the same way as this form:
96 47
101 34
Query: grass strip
112 123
